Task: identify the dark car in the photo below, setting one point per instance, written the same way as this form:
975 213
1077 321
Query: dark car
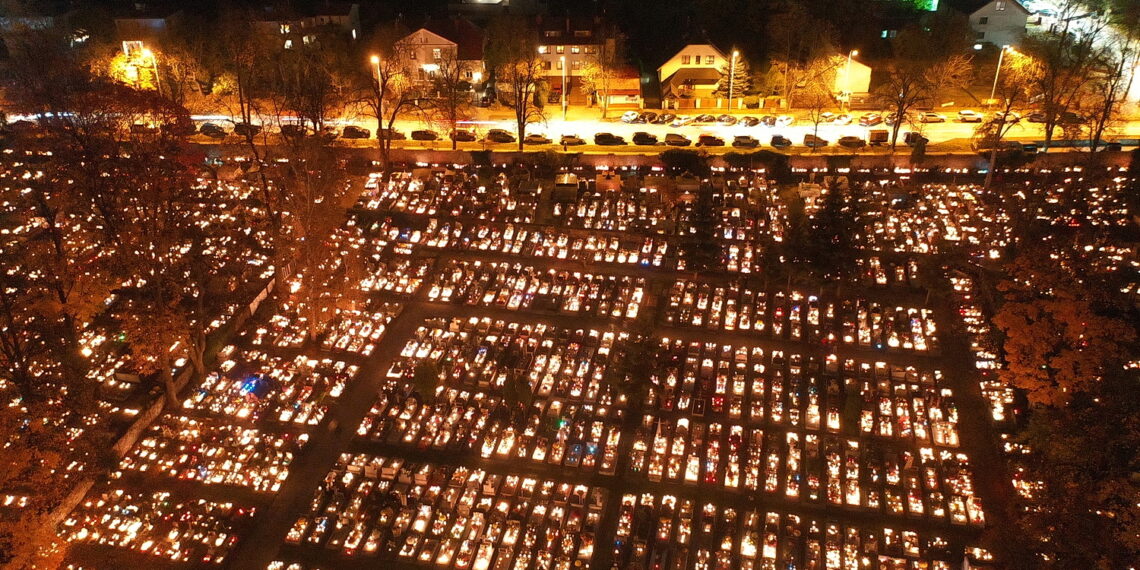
1036 117
745 141
328 134
674 139
709 140
291 130
870 120
726 120
750 121
780 141
355 132
213 131
250 130
644 139
143 129
535 139
424 135
178 128
663 119
1069 117
571 140
462 136
390 135
812 141
768 120
499 136
608 139
912 138
704 119
852 142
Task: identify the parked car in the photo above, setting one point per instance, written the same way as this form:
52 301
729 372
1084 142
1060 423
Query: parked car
674 139
812 141
749 121
681 120
390 135
250 130
852 142
726 120
663 119
629 116
705 118
460 135
329 134
890 120
1069 117
213 131
768 120
179 128
535 139
355 132
878 136
912 138
870 120
646 117
1010 117
930 117
968 116
745 141
499 136
424 135
644 139
709 140
145 129
1036 117
785 120
843 119
826 117
292 130
571 140
608 139
780 141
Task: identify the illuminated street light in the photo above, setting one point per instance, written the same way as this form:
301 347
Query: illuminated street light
1001 55
847 77
732 75
563 60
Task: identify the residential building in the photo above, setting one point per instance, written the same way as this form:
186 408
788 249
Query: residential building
852 80
147 24
448 38
565 45
692 73
998 22
296 29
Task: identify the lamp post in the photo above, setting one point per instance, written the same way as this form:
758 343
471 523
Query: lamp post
847 78
379 98
732 75
562 59
997 72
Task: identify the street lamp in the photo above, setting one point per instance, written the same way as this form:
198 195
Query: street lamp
379 98
847 77
1001 55
732 75
562 59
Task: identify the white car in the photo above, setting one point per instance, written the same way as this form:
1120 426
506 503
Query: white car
681 121
629 116
785 120
968 116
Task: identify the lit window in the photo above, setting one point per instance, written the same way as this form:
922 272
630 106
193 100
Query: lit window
575 65
543 49
560 49
684 60
560 64
999 5
284 28
435 54
591 49
709 60
575 49
288 44
551 33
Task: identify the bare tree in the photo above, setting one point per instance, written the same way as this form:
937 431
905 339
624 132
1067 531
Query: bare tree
519 70
802 48
390 88
601 70
1013 91
1110 85
817 98
907 87
451 103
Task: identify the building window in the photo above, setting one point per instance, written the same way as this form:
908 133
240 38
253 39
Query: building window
560 49
575 49
435 54
288 44
983 21
591 49
980 36
999 5
543 49
575 65
551 33
412 54
581 33
559 65
684 60
889 33
709 60
284 29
